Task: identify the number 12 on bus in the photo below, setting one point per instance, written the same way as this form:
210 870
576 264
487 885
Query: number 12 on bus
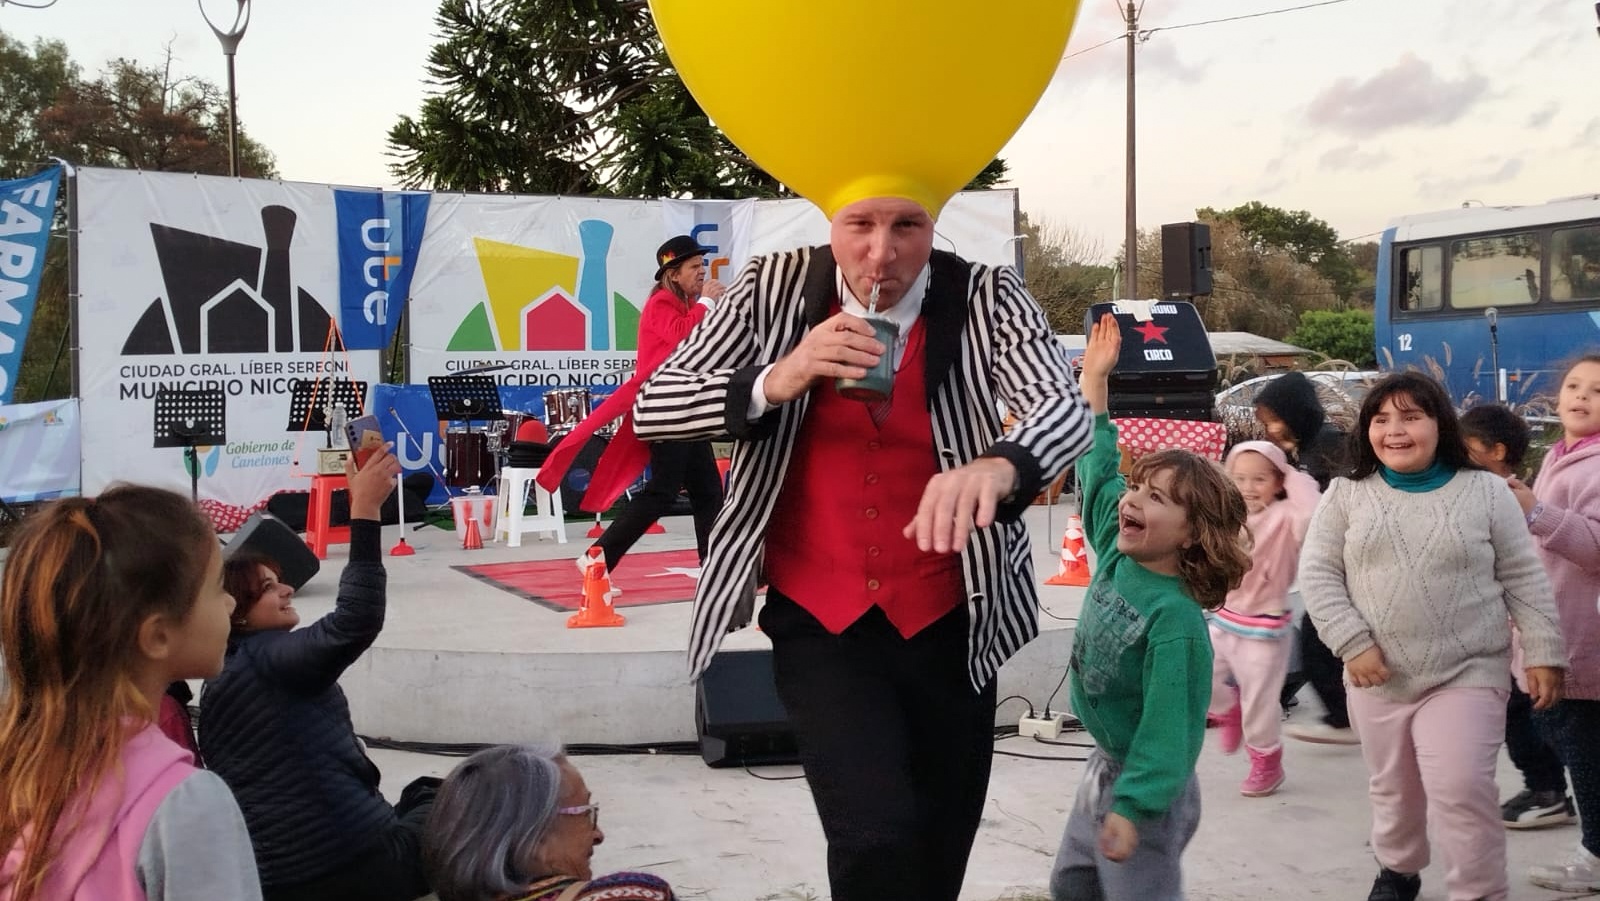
1467 292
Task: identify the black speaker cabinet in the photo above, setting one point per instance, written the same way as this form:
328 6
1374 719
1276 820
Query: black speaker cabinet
737 713
1167 369
1185 259
267 535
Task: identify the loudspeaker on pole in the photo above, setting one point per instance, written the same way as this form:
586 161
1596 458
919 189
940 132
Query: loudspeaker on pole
1185 259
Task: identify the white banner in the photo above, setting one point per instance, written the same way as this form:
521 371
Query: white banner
39 447
549 289
723 227
194 283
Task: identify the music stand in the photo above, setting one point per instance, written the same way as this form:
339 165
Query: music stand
189 418
469 397
309 401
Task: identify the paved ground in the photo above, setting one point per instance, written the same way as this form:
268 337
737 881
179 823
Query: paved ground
725 835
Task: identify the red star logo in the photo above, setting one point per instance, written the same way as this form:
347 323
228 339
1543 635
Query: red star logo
1153 332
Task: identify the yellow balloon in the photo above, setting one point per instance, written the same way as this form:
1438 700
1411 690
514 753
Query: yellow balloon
842 100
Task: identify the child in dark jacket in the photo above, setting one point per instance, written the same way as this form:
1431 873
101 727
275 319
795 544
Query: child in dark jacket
276 727
1291 413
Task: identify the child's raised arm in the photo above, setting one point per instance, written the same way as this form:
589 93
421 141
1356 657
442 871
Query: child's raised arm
1100 355
1098 478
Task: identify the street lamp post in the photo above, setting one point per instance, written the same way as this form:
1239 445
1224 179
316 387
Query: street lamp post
230 45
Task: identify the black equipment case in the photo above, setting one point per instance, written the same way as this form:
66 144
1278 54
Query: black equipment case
1167 369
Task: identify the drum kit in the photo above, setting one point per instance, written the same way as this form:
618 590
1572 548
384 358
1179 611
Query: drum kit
475 452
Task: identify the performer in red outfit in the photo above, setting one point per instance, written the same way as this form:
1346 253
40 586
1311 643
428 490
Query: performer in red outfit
681 299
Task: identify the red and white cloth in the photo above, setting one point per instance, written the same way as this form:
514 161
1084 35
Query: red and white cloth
1142 435
227 518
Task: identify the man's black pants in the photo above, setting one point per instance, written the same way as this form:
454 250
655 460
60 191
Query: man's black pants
674 465
896 746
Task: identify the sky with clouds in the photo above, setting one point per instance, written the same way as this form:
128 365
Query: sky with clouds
1358 111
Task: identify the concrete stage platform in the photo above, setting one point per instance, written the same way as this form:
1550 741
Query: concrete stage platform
461 660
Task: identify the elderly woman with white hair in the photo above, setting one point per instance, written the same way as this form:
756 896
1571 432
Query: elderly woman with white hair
517 823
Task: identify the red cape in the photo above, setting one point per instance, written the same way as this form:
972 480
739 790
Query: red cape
622 462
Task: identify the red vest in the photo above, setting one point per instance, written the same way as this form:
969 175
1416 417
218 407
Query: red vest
834 545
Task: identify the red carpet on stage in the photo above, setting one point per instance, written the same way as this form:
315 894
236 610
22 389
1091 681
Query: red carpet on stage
659 577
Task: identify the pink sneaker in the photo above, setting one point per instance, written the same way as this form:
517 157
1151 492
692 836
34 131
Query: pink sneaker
1266 773
1230 727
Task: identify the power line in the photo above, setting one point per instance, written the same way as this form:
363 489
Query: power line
1095 47
1269 12
1144 35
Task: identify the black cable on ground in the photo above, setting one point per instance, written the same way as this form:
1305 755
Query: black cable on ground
1041 757
1015 698
465 749
751 772
1047 701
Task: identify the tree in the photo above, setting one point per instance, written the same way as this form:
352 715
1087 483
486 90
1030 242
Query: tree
1255 288
562 97
1338 334
992 176
1364 255
30 81
132 116
1063 272
1305 237
568 97
143 117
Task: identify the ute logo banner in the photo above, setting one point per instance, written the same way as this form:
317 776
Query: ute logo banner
723 227
380 233
27 206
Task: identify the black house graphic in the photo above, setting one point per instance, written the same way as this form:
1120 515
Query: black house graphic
224 297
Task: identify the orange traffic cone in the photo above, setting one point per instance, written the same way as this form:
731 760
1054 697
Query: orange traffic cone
472 539
597 609
1074 556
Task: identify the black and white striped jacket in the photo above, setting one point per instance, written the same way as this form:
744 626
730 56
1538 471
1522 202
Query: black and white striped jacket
988 348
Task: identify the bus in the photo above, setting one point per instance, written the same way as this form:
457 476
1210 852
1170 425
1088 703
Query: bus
1491 299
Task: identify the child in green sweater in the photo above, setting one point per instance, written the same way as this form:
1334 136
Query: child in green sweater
1170 545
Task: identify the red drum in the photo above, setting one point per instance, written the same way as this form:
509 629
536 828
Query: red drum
564 408
514 421
467 460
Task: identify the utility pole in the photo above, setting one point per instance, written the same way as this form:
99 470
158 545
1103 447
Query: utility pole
1131 254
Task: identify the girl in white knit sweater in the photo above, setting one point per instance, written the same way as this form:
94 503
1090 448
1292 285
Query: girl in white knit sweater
1409 570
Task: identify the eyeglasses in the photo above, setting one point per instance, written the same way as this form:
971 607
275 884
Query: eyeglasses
593 811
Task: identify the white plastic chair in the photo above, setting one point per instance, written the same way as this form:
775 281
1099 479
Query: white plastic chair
512 521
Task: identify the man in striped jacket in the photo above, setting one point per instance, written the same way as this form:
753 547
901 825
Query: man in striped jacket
889 534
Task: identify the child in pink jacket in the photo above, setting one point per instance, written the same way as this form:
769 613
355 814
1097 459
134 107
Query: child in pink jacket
1563 512
1250 632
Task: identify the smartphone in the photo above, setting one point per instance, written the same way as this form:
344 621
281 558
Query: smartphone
366 437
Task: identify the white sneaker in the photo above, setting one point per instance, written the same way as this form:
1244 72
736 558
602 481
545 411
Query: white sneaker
1321 734
1581 873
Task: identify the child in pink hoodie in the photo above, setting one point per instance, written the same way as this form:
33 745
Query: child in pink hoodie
1250 632
1563 512
104 603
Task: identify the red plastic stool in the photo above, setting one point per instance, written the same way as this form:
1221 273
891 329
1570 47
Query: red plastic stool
319 533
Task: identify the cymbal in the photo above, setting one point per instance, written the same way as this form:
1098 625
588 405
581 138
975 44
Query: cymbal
487 367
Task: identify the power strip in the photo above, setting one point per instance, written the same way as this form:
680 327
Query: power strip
1047 727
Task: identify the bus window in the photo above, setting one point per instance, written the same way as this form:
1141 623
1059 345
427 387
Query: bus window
1502 271
1575 263
1424 286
